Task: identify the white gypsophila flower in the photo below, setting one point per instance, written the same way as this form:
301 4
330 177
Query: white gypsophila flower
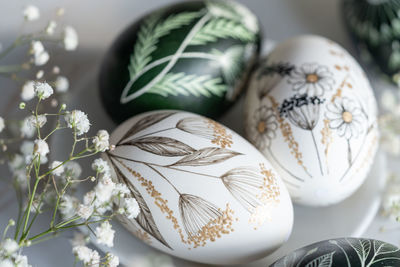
31 13
9 246
6 263
34 122
72 169
131 207
121 190
89 198
51 27
36 206
84 211
101 141
28 91
59 170
40 74
26 148
40 55
83 253
41 147
26 128
21 261
56 70
43 90
113 260
21 178
104 189
100 165
68 206
61 84
105 234
16 162
2 124
70 38
95 259
78 121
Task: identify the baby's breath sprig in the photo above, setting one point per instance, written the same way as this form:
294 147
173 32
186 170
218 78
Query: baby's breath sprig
50 186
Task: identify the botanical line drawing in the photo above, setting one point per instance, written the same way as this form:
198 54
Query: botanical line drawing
312 79
303 111
213 22
256 190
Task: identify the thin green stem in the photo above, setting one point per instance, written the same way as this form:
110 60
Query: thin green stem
28 209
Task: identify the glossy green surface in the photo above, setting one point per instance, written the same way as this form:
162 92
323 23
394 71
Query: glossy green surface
191 56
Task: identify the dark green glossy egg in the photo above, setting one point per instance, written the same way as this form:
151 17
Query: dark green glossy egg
375 28
192 56
343 252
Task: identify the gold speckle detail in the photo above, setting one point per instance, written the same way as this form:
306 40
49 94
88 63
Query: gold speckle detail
326 138
214 228
340 89
288 135
158 200
142 235
221 137
368 155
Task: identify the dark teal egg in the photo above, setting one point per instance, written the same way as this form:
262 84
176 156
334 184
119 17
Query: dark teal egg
193 56
375 27
343 252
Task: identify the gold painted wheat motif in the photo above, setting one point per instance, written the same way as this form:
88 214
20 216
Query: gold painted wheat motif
254 188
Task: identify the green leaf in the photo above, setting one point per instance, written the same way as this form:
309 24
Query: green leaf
231 63
182 84
150 32
222 28
322 261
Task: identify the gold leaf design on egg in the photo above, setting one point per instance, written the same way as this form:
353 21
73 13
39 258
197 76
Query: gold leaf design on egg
339 90
287 134
327 138
208 129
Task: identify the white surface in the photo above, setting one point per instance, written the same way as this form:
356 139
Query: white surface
99 22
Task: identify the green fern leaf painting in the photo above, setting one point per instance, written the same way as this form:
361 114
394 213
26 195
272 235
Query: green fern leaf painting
191 52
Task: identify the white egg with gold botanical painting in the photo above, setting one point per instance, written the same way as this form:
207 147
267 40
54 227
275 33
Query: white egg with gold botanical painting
311 111
205 193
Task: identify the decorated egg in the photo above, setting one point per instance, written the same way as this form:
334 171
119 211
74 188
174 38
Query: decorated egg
203 190
192 56
343 252
311 111
375 28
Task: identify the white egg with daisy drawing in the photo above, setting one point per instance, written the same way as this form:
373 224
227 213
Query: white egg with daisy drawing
311 111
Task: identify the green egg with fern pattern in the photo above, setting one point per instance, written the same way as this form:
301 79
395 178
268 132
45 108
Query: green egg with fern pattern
193 56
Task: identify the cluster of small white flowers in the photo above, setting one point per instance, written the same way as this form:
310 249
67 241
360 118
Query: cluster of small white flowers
31 13
41 148
28 91
84 211
28 150
112 260
105 234
35 122
88 256
68 206
51 27
72 170
9 256
42 90
2 124
131 208
101 141
101 166
40 55
61 84
70 38
26 128
17 167
78 121
58 168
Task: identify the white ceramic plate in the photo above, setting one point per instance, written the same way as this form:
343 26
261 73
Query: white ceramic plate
348 218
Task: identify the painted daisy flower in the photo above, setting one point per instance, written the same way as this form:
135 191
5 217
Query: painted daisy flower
346 117
311 79
263 127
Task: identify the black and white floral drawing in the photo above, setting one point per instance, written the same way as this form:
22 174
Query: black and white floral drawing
312 79
348 119
303 111
263 128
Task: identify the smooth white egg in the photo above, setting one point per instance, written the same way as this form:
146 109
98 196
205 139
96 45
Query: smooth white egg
311 111
205 193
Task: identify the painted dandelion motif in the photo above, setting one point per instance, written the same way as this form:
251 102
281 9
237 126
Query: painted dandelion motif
347 118
312 79
257 191
202 220
303 111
